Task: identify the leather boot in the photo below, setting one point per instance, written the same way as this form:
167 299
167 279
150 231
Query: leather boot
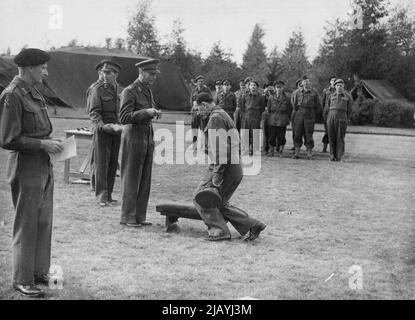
296 153
271 152
281 150
309 153
324 148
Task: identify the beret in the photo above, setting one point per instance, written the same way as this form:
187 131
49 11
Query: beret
148 65
338 81
199 77
31 57
333 77
108 65
304 78
279 82
204 97
248 79
218 82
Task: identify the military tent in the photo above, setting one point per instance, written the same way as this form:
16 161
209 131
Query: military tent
377 89
8 70
72 71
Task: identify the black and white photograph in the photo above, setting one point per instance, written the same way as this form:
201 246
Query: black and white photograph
208 155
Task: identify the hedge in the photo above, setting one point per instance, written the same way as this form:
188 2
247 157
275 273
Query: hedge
390 113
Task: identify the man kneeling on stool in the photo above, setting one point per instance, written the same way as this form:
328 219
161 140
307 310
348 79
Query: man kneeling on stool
222 177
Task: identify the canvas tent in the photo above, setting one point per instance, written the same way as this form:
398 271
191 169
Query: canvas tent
8 70
72 71
377 89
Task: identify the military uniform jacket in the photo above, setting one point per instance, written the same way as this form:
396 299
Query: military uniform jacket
135 100
341 104
227 101
23 123
306 103
88 91
104 104
279 109
220 120
252 106
327 92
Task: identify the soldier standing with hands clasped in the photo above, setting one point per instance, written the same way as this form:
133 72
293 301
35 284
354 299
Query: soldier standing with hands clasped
25 129
103 106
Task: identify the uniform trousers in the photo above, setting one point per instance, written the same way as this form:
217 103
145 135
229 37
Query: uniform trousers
336 125
216 218
137 147
106 149
32 195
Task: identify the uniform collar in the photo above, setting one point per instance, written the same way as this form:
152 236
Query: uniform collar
27 88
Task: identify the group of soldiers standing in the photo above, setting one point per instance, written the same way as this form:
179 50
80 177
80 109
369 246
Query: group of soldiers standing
272 109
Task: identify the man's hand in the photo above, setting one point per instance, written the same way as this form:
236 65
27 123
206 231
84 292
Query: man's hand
51 146
153 113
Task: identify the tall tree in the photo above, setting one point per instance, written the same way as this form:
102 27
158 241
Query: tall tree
255 57
176 52
219 66
275 65
142 35
402 30
294 58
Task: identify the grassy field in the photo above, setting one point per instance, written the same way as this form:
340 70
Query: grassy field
322 218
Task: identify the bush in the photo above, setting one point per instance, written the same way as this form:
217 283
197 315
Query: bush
362 111
393 113
407 115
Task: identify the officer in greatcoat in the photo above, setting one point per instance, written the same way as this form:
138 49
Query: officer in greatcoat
91 150
137 111
104 104
25 130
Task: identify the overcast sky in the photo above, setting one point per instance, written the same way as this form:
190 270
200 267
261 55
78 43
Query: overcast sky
205 22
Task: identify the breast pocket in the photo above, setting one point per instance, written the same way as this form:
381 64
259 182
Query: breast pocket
109 104
30 118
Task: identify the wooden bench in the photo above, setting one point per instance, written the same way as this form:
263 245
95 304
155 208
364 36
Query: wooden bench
173 211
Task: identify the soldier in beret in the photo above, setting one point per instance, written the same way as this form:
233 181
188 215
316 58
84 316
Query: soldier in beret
298 86
211 198
279 110
252 106
327 92
238 95
305 107
226 98
338 112
103 105
25 130
138 109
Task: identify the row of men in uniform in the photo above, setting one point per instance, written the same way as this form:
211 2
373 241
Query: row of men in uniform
272 109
